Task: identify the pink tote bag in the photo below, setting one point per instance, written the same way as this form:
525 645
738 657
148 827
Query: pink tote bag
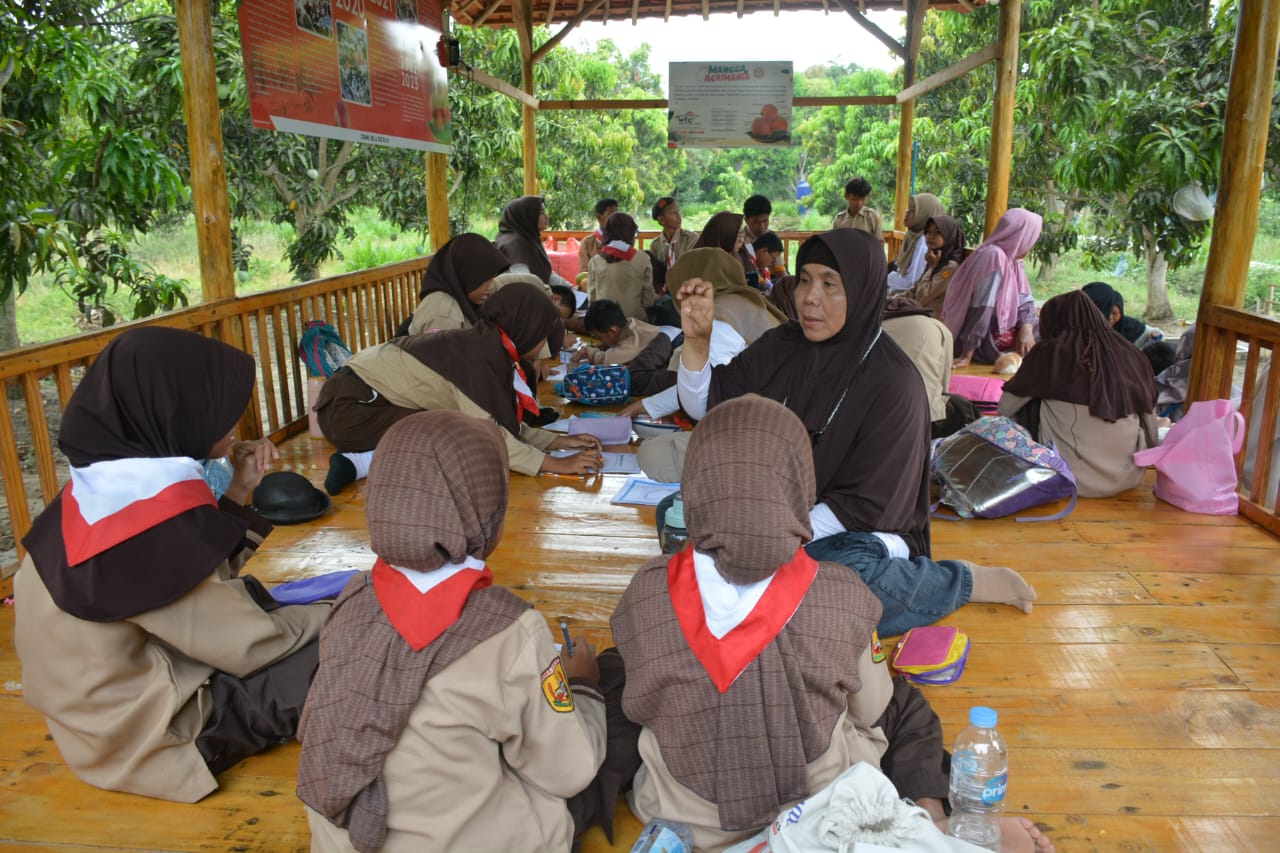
1195 466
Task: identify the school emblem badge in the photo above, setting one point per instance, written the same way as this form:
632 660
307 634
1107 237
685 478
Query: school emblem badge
877 648
555 688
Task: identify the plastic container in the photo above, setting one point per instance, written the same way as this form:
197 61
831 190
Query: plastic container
217 473
979 777
664 836
675 536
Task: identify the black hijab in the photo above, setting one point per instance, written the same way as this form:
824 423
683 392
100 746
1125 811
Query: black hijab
857 392
519 238
721 232
463 264
152 393
475 359
1106 297
952 240
1081 359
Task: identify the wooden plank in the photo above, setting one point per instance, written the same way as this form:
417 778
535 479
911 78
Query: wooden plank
1257 666
15 491
977 59
1010 27
1106 623
266 372
1171 666
1083 833
663 103
501 86
1199 589
488 10
62 378
41 442
867 24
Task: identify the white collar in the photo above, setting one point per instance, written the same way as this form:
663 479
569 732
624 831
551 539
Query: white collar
426 581
724 604
105 488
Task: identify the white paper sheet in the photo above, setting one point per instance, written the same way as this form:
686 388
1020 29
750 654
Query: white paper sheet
639 491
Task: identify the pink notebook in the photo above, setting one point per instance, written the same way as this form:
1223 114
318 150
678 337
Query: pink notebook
925 647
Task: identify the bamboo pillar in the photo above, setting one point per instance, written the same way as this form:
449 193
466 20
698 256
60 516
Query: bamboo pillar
906 117
1002 112
438 198
522 15
204 136
1235 221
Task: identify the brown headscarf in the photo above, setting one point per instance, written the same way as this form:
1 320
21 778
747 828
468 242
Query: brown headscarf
519 238
152 393
845 390
725 274
928 206
747 749
721 232
463 264
783 295
1081 359
437 493
476 361
952 240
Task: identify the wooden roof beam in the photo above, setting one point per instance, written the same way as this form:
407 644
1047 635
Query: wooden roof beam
501 86
739 8
662 103
488 10
569 27
666 16
865 22
974 60
551 12
706 10
635 11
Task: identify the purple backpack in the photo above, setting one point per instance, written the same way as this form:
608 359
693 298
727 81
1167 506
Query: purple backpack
993 468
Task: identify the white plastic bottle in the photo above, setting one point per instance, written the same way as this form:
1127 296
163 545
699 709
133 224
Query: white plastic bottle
979 776
664 836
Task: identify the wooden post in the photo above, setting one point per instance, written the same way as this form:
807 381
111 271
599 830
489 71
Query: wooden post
1235 220
204 137
522 16
438 198
1002 112
915 24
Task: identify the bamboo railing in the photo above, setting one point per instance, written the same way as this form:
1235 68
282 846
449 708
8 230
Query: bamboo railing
1227 330
365 307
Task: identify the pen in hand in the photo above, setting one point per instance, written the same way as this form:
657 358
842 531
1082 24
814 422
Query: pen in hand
568 643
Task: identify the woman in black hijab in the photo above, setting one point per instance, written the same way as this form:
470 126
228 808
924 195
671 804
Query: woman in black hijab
865 408
456 284
724 231
520 238
154 665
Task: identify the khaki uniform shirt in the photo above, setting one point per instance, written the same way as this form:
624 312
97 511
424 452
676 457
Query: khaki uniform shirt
438 310
931 290
1100 454
868 219
927 342
488 757
631 342
656 793
628 283
682 242
126 700
409 383
587 249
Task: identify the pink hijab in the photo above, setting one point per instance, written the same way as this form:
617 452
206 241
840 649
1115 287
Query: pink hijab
1014 235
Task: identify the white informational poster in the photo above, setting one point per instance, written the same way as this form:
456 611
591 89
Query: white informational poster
729 104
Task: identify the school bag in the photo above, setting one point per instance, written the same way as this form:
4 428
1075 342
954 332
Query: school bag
597 384
321 349
993 468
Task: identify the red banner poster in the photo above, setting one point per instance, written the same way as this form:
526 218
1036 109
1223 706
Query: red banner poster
363 70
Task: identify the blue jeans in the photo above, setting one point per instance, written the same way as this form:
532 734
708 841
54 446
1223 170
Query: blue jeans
914 592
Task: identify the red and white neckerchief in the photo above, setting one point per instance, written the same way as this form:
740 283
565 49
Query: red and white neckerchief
766 277
108 502
618 249
671 248
724 658
422 605
525 401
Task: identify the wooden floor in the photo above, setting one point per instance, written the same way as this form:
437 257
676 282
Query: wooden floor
1141 699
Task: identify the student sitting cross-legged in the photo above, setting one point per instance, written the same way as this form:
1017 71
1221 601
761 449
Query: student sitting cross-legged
753 669
645 349
442 716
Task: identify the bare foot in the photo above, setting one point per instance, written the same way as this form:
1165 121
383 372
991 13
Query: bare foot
1000 585
1020 835
1017 835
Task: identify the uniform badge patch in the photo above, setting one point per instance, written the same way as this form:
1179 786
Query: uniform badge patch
555 688
877 649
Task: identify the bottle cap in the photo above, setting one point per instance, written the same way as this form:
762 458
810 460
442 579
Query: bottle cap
675 514
982 717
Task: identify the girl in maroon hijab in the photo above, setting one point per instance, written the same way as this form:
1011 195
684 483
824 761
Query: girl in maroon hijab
155 666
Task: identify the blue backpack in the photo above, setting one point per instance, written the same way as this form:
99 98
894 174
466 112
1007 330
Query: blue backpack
321 349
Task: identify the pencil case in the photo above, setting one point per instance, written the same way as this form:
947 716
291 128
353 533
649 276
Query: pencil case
935 654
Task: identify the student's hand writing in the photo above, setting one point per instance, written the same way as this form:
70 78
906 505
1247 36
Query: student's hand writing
575 442
541 369
697 309
583 354
249 461
582 663
582 464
